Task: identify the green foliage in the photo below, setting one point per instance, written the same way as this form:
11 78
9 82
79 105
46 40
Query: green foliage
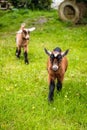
24 88
32 4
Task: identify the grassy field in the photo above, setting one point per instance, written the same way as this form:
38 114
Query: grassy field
24 88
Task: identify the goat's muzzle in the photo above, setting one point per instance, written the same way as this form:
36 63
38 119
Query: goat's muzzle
55 67
25 38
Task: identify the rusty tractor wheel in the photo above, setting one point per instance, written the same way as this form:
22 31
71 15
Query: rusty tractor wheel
68 11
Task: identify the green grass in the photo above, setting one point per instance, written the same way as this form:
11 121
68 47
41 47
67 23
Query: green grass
24 88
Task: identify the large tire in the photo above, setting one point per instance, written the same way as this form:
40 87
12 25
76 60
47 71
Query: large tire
68 11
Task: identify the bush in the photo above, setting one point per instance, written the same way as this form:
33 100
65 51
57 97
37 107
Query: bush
32 4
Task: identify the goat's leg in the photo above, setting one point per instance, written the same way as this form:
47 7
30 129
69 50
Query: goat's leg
26 58
18 52
59 82
26 55
59 85
51 90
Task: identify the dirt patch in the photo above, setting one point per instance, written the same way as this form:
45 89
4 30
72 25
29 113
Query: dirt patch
41 20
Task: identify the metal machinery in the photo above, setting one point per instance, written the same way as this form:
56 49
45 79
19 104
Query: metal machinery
72 10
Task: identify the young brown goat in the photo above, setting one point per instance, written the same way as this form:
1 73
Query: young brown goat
22 38
56 66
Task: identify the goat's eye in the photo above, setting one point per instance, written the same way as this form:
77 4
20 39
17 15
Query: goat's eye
24 32
59 57
52 56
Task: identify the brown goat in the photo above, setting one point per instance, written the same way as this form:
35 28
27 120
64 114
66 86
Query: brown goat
56 66
22 38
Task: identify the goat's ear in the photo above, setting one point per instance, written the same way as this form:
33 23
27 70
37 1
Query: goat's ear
65 53
31 29
47 52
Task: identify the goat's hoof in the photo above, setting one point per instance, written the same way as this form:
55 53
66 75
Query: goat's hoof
27 62
16 53
18 57
50 99
59 89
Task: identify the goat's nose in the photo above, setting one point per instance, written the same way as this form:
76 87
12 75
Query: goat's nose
54 67
27 37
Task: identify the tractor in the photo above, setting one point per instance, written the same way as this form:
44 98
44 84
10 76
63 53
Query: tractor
72 10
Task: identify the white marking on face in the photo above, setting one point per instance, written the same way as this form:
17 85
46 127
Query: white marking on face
27 36
55 67
56 54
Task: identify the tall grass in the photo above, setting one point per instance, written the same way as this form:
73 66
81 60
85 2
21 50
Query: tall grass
24 88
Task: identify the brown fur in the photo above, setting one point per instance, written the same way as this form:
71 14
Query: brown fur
22 40
22 43
56 65
59 74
